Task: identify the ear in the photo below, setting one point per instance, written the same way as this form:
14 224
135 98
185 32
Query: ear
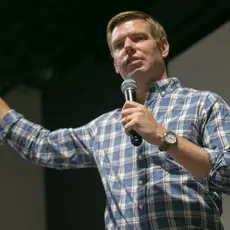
164 47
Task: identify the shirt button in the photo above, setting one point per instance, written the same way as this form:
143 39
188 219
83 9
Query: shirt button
140 182
140 157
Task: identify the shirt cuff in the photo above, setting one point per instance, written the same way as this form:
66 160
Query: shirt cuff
215 159
215 178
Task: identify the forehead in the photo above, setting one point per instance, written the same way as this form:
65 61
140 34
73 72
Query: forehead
129 27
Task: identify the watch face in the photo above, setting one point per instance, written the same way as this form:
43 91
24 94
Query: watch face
170 138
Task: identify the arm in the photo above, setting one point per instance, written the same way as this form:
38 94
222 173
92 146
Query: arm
192 157
210 161
61 149
216 142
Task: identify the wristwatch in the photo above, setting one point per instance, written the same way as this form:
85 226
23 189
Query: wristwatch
169 139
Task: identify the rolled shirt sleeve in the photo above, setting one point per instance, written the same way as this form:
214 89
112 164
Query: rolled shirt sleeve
216 142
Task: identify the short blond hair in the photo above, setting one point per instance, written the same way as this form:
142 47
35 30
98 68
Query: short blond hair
156 29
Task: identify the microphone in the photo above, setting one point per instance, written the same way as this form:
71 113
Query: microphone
128 88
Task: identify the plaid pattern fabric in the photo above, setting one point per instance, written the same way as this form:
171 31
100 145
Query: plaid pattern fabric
145 188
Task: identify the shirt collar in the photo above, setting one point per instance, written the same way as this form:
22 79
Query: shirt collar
164 86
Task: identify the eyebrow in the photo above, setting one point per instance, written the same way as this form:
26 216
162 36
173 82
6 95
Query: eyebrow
116 40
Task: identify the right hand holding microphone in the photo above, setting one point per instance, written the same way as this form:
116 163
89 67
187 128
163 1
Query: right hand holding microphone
137 117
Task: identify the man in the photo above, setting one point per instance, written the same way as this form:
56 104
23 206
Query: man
175 178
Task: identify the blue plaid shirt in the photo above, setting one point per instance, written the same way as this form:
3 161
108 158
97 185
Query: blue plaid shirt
145 188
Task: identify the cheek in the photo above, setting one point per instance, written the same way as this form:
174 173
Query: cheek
118 66
116 62
152 56
117 59
150 59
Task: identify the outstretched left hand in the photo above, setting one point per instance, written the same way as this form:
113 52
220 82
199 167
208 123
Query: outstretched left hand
137 117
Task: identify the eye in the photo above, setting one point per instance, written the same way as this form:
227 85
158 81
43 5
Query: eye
118 45
140 37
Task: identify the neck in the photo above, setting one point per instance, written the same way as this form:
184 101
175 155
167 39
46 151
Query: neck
142 93
143 88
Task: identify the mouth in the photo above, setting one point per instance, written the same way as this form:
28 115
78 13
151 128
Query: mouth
134 61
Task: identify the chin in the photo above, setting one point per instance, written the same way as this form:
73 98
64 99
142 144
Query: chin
137 73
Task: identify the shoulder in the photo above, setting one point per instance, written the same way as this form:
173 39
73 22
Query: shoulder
192 92
205 98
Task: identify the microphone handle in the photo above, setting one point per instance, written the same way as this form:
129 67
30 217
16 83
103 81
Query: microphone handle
136 139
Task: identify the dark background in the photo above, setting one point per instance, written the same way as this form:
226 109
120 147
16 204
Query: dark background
59 47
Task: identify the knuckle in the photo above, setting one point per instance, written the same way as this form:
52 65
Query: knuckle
136 120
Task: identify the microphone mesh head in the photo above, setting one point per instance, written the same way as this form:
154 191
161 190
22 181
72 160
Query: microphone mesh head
128 84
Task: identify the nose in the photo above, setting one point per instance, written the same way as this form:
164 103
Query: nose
129 46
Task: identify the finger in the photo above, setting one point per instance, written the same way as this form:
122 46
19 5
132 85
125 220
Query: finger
130 104
132 112
124 121
131 125
128 132
128 112
127 119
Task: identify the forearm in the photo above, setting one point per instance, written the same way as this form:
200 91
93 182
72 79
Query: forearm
191 157
4 108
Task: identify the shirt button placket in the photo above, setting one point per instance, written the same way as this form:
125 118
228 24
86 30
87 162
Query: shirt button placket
141 206
140 182
141 174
